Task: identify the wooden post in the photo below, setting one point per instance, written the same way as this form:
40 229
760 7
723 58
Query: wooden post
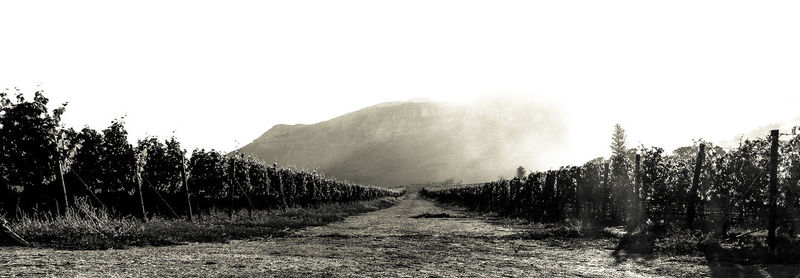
17 209
88 189
691 210
284 206
231 185
139 186
174 214
60 174
606 191
249 202
12 234
186 186
244 193
643 216
578 192
773 191
638 205
57 205
158 194
141 195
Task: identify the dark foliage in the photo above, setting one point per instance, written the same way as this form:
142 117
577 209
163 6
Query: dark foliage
112 173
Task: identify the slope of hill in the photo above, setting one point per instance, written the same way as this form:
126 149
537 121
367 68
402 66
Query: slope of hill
789 126
400 143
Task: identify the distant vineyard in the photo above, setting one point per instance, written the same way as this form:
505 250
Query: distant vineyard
641 186
44 167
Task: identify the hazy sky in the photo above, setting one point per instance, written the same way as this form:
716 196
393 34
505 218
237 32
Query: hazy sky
221 73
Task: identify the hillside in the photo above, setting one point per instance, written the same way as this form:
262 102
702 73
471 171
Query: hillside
417 142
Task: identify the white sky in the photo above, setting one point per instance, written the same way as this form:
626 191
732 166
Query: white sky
220 74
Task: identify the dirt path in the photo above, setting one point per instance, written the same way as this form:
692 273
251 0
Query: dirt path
382 243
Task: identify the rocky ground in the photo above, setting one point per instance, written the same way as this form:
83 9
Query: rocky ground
393 242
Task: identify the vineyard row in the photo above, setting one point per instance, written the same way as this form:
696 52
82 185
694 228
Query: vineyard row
756 185
44 167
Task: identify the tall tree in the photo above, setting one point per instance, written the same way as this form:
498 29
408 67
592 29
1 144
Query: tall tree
619 146
621 187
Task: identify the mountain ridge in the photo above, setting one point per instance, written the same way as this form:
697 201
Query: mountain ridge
405 142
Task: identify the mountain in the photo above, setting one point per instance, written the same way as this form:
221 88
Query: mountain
401 143
788 127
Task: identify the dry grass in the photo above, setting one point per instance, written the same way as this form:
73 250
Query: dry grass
382 243
387 243
85 227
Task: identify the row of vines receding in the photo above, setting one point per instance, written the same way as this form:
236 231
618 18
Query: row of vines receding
641 186
45 167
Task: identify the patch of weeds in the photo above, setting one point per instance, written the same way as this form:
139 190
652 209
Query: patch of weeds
742 249
750 249
542 231
612 232
86 227
657 239
82 227
638 243
680 242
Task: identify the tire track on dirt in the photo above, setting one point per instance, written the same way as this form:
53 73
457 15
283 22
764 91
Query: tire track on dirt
399 220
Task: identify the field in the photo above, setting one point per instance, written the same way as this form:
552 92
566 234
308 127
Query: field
151 209
415 238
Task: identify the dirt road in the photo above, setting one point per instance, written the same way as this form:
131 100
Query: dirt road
384 243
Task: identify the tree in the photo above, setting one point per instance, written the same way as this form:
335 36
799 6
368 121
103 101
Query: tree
618 142
621 187
521 172
29 133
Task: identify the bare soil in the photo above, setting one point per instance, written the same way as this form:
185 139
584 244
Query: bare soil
414 238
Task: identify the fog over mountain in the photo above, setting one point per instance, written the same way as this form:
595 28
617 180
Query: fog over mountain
786 127
420 141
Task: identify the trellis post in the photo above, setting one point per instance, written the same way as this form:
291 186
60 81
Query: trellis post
691 209
60 174
186 186
773 191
